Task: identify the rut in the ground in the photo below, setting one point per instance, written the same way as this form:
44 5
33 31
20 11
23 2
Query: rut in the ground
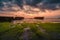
26 33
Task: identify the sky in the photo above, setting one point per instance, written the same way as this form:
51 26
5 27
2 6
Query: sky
15 5
42 4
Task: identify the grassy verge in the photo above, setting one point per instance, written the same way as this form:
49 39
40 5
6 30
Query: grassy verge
9 31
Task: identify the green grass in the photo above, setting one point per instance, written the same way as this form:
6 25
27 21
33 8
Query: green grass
51 27
9 31
4 26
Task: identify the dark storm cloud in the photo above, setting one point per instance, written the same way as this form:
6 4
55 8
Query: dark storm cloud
5 3
42 4
49 4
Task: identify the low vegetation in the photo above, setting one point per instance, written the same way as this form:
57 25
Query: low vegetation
37 31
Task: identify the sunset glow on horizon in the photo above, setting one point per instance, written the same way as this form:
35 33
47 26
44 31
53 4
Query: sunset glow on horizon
30 9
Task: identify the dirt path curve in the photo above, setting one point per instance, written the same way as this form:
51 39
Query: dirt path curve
26 33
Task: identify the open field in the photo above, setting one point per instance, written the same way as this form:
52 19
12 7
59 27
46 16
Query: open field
29 31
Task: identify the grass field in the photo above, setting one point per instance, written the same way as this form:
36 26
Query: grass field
37 31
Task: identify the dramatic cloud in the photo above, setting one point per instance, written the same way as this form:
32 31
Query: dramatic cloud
42 4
